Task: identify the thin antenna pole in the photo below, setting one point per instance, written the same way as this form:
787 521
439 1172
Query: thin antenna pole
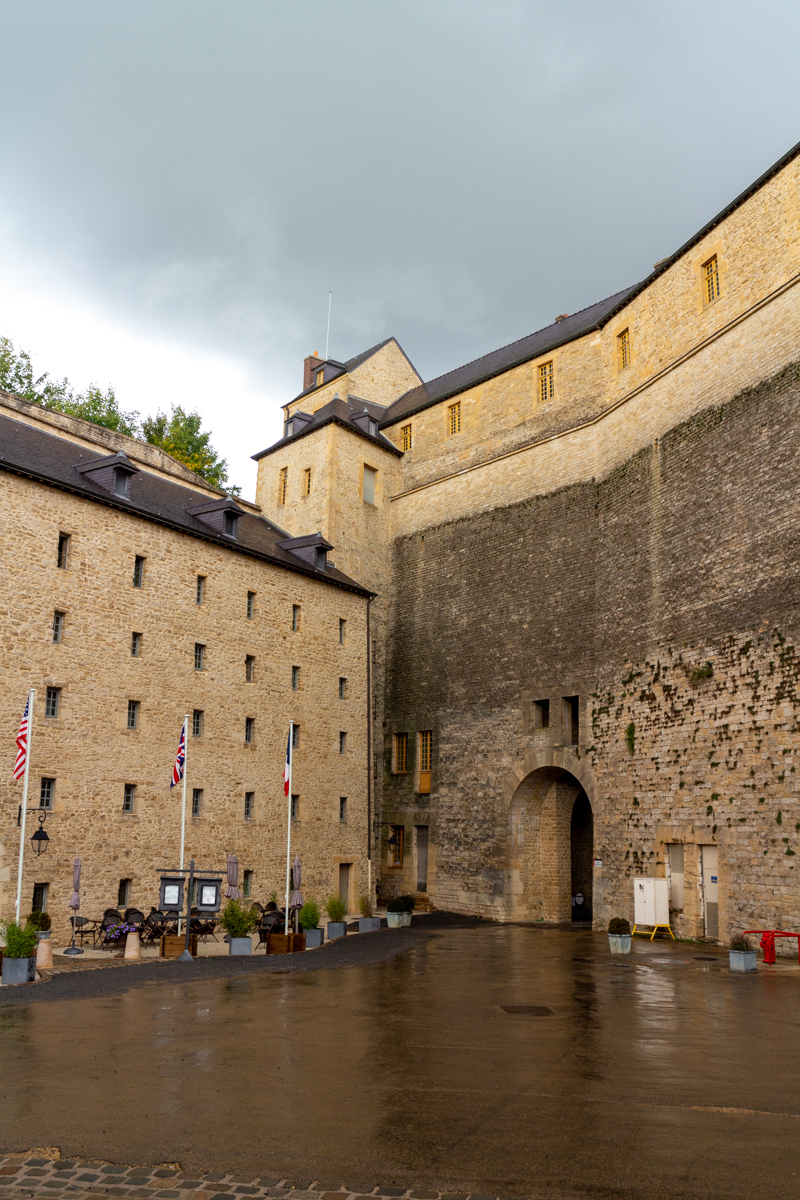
328 335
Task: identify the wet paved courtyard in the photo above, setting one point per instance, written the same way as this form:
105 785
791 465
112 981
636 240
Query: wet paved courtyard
656 1075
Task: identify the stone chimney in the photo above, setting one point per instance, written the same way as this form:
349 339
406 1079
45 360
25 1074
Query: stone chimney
309 362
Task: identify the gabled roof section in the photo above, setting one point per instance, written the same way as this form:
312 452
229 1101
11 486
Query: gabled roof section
338 412
352 364
499 361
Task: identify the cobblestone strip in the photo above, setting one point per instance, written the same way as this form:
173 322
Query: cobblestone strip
76 1179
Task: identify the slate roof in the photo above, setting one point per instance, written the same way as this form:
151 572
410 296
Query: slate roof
36 454
497 362
338 412
342 368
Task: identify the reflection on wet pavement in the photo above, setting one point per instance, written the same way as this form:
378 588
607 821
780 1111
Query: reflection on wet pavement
657 1075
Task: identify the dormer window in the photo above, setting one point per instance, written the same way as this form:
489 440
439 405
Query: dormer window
230 524
289 428
220 515
112 473
121 482
373 428
320 378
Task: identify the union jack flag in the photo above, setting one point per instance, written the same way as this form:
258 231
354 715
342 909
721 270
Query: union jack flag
22 744
180 761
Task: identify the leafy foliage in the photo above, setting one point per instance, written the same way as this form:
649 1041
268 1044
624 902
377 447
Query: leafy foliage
40 921
619 926
180 435
20 939
741 943
397 904
365 906
238 920
336 908
309 915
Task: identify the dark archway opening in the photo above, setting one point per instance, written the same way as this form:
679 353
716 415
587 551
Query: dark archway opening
582 848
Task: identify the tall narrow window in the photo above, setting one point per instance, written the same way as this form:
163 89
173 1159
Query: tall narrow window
40 891
249 668
307 481
249 726
47 789
624 349
63 550
425 743
342 630
571 720
197 722
320 378
400 753
454 417
711 274
342 687
295 678
197 801
546 382
283 484
138 571
541 714
52 701
295 807
133 714
370 475
124 893
128 797
342 742
230 523
58 626
199 656
251 604
249 804
136 645
343 808
247 884
405 437
295 618
201 587
295 736
397 837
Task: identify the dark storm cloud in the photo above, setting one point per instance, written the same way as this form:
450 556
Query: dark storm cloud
457 172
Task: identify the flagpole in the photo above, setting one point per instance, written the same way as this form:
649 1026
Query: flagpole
289 831
183 802
31 695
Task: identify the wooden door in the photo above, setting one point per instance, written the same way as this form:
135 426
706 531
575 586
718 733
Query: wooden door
421 833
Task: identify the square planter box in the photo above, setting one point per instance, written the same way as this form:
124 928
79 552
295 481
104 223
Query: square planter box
394 920
368 924
314 938
173 946
240 946
620 943
745 961
286 943
19 970
336 929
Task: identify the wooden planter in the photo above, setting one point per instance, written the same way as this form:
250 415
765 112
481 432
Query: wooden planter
172 946
286 943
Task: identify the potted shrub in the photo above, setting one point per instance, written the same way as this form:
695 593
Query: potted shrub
238 921
42 924
394 912
741 955
19 956
309 923
367 923
407 909
336 910
619 936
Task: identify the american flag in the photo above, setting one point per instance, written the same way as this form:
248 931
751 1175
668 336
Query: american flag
22 744
180 761
288 764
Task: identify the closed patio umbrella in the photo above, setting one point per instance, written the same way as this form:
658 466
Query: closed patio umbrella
74 904
296 898
232 890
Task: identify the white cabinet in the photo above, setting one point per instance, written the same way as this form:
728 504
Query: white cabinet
651 901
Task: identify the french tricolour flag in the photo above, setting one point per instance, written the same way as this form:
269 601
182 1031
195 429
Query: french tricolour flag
287 766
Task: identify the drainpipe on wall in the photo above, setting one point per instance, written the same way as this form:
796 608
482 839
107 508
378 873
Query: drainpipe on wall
369 753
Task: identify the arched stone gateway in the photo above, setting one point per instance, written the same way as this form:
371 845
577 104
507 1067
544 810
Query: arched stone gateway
550 843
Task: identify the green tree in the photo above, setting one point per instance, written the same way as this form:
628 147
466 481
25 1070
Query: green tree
180 435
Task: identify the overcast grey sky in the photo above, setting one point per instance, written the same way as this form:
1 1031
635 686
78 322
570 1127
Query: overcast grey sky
184 180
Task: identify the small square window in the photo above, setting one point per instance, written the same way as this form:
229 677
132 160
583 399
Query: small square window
249 726
295 618
63 550
295 736
136 645
295 808
124 893
197 722
249 668
454 417
342 742
400 753
247 884
138 571
40 893
251 605
52 701
307 481
47 790
128 797
199 656
283 484
249 805
342 630
343 808
711 279
370 476
624 349
197 801
295 678
546 381
342 687
405 436
133 714
201 587
541 714
58 626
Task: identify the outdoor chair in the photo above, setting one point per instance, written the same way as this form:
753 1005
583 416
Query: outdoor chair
271 922
110 918
134 916
203 926
152 928
85 928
